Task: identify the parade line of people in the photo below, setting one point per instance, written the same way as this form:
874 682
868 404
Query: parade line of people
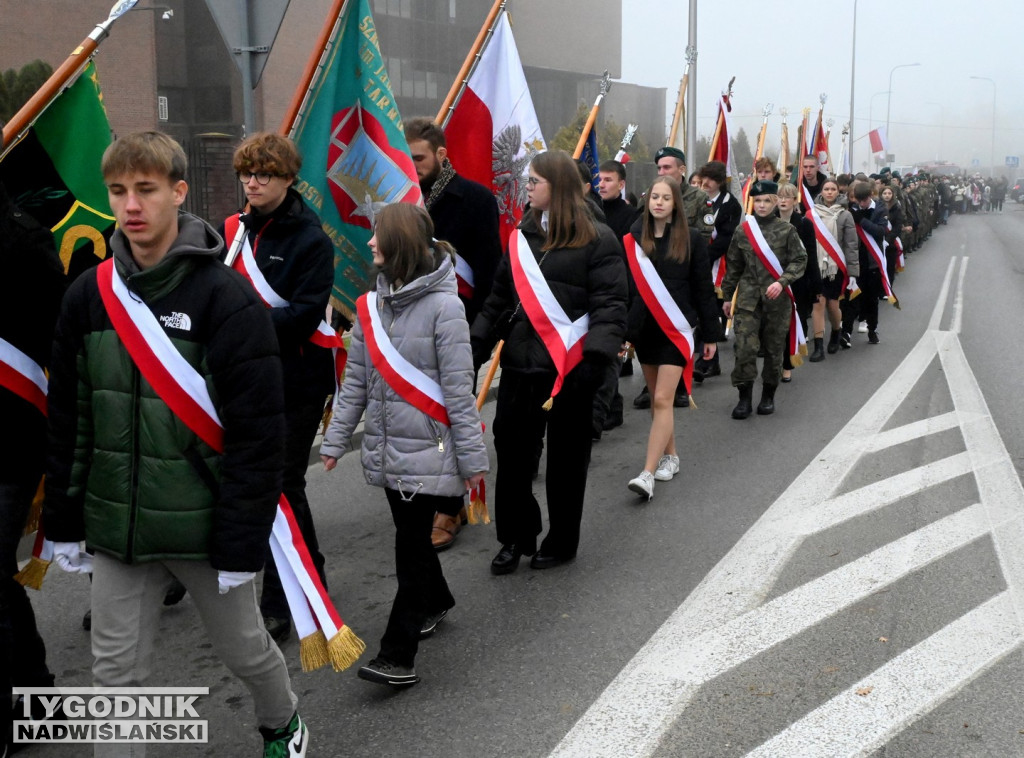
588 280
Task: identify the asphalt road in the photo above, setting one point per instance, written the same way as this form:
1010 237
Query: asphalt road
845 577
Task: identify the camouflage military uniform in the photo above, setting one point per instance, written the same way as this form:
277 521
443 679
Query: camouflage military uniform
756 316
695 206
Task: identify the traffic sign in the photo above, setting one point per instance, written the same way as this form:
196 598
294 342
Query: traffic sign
1013 161
249 26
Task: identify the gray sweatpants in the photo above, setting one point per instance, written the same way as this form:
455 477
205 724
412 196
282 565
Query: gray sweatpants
126 604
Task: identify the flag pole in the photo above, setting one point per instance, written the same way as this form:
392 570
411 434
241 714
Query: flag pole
720 124
749 201
784 144
678 116
327 33
472 58
59 79
605 86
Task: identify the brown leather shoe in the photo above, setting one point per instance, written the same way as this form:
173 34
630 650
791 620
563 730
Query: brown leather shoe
446 528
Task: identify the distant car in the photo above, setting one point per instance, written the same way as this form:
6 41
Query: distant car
1015 191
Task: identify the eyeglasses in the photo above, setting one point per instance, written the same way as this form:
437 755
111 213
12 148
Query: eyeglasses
261 178
533 181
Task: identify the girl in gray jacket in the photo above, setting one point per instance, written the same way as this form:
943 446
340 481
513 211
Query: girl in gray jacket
410 368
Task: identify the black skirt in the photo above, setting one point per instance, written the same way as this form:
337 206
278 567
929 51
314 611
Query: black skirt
654 348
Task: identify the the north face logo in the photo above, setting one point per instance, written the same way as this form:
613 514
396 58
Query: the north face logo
177 321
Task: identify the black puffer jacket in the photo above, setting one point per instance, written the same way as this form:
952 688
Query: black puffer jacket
123 471
297 259
589 279
688 282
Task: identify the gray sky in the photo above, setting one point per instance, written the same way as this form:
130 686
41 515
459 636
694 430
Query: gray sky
788 53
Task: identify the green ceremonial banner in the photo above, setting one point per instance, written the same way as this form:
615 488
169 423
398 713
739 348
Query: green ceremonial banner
355 157
54 173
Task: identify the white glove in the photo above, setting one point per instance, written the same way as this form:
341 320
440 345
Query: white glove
69 556
852 286
228 580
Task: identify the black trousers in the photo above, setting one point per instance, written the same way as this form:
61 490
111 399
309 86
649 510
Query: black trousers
607 400
302 423
519 425
865 306
22 652
422 590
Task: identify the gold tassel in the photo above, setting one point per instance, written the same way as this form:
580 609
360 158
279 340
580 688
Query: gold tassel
693 403
325 420
477 512
896 302
32 575
345 648
313 651
36 511
796 360
548 403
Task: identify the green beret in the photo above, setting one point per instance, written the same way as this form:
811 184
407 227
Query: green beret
763 187
670 152
885 170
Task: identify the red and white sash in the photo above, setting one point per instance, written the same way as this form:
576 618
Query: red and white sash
244 262
901 262
22 376
876 252
829 242
660 303
718 267
411 384
464 277
764 253
184 391
562 336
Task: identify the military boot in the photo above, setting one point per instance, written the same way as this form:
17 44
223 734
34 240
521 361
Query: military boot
833 342
746 404
767 405
819 350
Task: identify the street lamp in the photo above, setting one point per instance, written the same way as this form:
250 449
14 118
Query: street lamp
992 155
942 124
167 11
871 108
888 100
853 81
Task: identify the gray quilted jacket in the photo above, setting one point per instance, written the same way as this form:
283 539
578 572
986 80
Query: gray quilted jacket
403 448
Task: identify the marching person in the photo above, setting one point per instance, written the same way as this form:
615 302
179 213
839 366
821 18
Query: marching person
764 259
807 287
671 293
562 269
163 358
411 372
811 176
838 261
871 221
290 262
725 214
32 287
465 214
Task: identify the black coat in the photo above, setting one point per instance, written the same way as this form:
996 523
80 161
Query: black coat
31 289
873 221
297 259
466 216
620 215
689 284
807 288
588 279
728 214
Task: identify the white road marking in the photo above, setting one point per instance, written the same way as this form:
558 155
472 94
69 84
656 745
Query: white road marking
905 688
726 621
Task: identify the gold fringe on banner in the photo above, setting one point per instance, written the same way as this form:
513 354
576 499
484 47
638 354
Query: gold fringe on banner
477 512
345 648
32 575
313 651
36 511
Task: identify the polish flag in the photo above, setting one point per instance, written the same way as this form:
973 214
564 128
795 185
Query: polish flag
879 140
622 157
722 149
493 132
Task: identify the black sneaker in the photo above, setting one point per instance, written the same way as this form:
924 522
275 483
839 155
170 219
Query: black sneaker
287 742
175 594
430 624
381 671
872 337
845 341
712 369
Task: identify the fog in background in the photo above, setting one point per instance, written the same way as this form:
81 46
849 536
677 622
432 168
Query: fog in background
788 53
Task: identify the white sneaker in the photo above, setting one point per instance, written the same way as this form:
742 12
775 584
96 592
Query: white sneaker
862 327
668 467
643 484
